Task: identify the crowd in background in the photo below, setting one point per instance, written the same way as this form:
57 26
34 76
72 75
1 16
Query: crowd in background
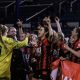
26 56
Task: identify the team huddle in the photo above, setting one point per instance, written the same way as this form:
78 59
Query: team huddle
30 56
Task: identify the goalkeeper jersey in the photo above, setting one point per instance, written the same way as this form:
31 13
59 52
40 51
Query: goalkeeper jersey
6 54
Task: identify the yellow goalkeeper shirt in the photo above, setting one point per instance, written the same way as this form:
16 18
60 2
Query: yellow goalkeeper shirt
5 54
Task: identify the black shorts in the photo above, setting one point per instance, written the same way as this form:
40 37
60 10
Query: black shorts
38 75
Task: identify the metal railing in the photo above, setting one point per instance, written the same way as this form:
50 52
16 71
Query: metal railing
37 5
60 6
7 7
72 5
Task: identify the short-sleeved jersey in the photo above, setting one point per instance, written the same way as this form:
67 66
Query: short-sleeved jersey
45 58
76 47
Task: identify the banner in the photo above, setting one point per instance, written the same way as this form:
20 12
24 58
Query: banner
69 70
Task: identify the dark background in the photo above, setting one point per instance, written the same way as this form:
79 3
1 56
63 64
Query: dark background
11 10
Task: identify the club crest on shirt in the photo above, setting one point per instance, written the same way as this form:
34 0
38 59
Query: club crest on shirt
38 51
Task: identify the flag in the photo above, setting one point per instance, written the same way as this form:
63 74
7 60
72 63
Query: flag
70 70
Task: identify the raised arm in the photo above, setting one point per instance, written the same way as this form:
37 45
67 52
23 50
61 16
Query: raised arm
48 23
52 32
57 20
20 25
